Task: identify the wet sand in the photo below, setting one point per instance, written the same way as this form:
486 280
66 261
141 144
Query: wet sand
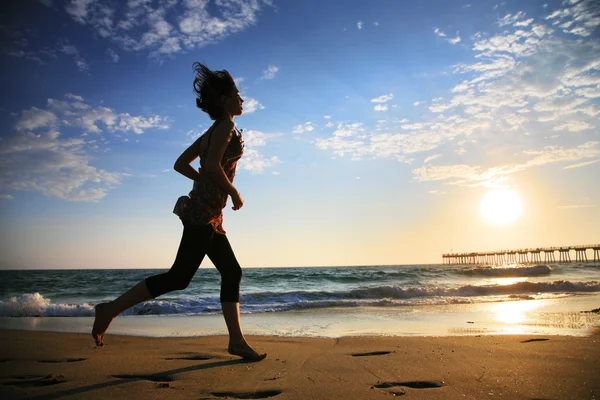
53 365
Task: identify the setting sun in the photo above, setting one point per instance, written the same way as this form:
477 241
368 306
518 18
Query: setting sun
501 206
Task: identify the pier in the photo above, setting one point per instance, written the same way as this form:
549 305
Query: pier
526 256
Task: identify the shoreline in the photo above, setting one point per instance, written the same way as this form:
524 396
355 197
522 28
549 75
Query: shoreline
567 316
50 365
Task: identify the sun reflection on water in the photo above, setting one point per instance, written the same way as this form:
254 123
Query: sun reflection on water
514 312
506 281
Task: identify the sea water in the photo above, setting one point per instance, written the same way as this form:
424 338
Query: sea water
321 301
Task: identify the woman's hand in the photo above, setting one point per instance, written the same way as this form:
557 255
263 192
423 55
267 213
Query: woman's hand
237 200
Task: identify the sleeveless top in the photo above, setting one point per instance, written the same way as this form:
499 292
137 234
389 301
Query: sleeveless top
204 204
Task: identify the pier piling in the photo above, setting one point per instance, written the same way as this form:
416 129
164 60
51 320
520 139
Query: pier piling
525 256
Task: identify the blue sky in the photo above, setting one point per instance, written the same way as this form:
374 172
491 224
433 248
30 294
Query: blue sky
372 129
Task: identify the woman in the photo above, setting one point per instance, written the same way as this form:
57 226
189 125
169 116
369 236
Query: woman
219 150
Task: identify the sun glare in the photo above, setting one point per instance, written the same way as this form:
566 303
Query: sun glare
501 206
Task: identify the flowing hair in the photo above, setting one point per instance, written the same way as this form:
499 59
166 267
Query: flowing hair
209 86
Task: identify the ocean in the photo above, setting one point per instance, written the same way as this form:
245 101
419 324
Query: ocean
321 301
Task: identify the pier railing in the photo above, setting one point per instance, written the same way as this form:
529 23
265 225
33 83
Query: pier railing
525 256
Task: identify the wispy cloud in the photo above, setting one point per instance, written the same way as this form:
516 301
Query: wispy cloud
451 40
359 25
270 72
302 128
251 105
53 166
510 19
165 27
472 175
583 164
114 57
577 206
381 100
253 160
39 156
431 158
72 51
577 17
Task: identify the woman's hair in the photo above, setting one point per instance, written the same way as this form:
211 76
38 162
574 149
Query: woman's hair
209 86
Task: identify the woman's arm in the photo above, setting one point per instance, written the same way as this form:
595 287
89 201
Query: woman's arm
212 166
220 137
182 165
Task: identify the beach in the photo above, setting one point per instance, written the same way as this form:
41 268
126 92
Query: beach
52 365
417 331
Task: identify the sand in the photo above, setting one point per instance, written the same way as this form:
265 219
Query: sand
52 365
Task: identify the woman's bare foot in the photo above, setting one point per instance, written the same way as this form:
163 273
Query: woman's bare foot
245 351
101 323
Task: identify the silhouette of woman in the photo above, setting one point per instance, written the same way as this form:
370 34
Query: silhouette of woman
201 213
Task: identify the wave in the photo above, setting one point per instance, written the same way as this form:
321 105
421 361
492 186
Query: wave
34 304
510 272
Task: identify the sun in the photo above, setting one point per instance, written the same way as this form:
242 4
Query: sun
501 206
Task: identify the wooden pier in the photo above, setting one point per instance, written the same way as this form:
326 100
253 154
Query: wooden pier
525 256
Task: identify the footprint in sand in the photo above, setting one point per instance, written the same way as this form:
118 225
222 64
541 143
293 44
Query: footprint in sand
151 378
249 395
35 380
372 353
410 384
62 360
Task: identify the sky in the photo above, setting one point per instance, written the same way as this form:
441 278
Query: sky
373 130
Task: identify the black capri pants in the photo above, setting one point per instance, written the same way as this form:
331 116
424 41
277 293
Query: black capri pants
196 242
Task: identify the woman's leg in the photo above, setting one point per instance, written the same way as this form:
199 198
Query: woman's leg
222 256
194 242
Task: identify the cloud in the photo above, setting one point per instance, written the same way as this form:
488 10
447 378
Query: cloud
455 39
253 160
583 164
39 156
35 118
114 57
165 27
352 129
510 19
251 105
431 158
438 32
441 34
470 175
6 196
72 51
270 72
359 25
573 126
78 9
577 18
52 166
577 206
306 127
383 99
